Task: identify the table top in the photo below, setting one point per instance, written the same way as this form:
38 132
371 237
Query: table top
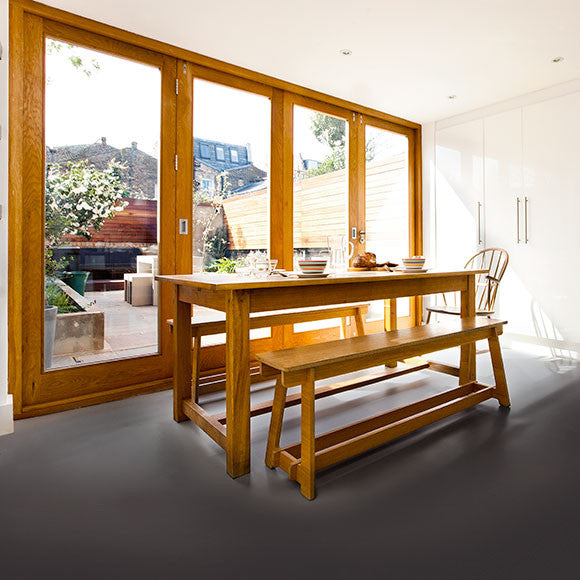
214 281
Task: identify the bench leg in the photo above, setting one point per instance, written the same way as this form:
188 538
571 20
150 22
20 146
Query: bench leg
307 466
499 371
343 328
359 322
278 406
195 367
391 322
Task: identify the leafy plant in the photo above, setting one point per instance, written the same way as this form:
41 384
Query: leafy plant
52 266
54 296
217 245
226 265
203 221
80 198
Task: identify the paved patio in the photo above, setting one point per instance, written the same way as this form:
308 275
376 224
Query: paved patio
130 331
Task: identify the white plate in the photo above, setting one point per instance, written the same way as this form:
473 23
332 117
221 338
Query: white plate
302 275
412 270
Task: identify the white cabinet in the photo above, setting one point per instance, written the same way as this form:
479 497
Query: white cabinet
551 162
459 193
505 217
532 154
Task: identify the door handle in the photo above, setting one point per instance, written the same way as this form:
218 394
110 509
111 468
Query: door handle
479 204
525 220
361 236
518 219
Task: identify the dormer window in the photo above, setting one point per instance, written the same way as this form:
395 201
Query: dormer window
234 155
219 154
204 151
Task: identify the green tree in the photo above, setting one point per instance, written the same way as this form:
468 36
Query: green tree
331 131
80 198
86 67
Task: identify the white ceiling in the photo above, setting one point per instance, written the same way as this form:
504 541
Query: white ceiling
407 55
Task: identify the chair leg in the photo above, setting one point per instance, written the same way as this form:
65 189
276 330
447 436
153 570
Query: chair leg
278 405
359 322
499 371
428 317
196 367
307 465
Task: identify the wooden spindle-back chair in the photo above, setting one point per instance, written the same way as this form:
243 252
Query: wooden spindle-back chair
495 260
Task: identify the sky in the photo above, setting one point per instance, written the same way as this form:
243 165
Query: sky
121 101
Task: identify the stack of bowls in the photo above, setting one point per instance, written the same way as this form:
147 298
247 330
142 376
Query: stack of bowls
414 263
312 266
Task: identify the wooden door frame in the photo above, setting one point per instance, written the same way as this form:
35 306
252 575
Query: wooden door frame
35 390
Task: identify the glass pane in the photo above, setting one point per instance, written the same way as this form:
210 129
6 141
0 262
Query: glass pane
231 176
387 203
320 193
101 205
231 211
320 181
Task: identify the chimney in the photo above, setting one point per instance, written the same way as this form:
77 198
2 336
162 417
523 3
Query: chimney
133 145
249 151
103 140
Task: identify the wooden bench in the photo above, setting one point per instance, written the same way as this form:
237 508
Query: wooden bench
307 364
214 322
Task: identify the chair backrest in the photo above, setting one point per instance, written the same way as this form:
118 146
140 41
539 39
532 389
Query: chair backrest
495 260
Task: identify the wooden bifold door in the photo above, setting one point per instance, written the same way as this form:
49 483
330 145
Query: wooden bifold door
131 158
97 215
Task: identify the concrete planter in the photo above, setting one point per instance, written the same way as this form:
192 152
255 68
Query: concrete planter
49 334
79 331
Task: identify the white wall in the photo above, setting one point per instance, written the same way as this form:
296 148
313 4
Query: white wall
6 423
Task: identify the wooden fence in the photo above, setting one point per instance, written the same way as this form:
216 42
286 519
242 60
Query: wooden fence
135 226
320 210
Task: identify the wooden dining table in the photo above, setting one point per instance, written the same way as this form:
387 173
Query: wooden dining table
239 296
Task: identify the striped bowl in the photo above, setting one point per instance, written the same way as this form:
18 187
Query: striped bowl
415 263
312 266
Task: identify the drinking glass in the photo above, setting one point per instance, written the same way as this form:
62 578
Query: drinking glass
262 266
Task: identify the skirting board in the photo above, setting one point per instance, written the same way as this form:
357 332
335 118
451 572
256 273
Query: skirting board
6 420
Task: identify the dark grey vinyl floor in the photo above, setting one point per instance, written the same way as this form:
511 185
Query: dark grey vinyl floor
121 491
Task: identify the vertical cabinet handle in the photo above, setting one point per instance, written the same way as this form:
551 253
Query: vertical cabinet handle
525 220
479 204
518 219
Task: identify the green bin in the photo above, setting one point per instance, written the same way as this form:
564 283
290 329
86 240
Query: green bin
77 280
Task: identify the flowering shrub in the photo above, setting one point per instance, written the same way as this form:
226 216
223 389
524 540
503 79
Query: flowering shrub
80 198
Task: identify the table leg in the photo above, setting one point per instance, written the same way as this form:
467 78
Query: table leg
182 361
238 383
467 370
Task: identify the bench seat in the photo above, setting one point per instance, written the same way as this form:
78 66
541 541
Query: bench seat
210 322
306 364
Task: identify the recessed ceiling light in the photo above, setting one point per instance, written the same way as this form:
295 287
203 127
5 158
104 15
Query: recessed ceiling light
558 59
345 51
451 97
